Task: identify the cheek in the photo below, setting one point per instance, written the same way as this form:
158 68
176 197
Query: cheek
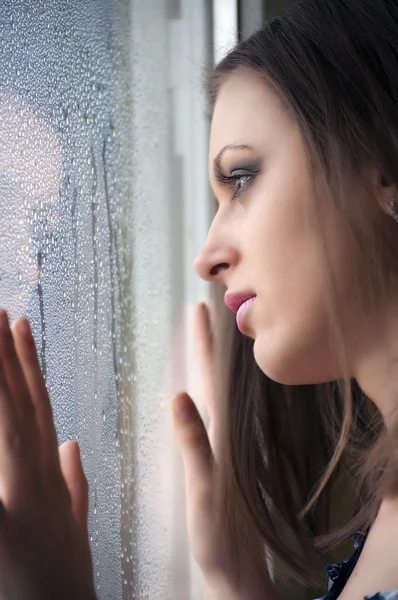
291 320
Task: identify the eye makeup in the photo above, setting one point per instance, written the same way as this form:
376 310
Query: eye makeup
240 176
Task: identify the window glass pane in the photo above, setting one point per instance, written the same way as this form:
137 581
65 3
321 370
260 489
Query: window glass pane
225 27
58 259
99 109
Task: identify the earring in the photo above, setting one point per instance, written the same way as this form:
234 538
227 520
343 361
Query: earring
392 209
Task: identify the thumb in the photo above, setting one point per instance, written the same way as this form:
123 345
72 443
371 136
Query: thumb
193 440
76 481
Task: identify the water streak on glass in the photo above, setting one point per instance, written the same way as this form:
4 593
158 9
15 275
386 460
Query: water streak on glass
60 198
97 103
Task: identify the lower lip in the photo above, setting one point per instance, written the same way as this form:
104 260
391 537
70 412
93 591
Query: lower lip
240 315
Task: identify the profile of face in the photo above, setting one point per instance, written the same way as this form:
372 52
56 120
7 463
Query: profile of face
263 239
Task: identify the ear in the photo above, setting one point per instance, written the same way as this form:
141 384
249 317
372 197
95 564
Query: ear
383 190
388 196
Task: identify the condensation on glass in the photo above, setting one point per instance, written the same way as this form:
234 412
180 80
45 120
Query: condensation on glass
61 259
92 211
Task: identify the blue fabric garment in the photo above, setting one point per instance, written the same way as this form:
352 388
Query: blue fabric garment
337 575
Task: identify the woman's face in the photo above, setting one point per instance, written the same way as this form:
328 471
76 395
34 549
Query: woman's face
263 239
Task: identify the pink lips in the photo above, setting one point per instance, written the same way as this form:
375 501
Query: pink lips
239 303
235 301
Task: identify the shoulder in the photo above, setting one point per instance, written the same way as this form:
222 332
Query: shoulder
337 575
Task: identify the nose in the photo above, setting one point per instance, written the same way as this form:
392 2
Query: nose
213 263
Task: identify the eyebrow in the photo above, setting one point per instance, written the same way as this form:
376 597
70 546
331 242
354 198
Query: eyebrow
217 160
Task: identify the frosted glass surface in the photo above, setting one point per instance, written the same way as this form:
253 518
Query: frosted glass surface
58 242
98 113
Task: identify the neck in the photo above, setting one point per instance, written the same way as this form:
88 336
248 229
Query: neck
376 367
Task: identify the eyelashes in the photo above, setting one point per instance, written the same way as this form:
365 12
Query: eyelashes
239 179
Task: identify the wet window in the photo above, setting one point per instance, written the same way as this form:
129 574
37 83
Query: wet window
92 150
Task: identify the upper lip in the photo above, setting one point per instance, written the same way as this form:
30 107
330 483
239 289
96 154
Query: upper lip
235 300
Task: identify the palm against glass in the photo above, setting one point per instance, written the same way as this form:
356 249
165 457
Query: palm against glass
44 550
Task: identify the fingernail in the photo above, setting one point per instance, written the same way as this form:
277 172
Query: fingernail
25 330
203 307
184 408
75 447
4 324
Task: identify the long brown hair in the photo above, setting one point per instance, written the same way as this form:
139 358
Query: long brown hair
334 64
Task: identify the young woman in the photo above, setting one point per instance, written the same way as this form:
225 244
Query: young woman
304 164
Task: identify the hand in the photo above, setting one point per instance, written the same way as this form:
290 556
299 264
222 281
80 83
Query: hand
207 542
44 549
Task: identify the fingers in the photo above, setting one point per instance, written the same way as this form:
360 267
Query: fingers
193 441
76 481
18 436
205 355
13 371
204 349
203 334
27 355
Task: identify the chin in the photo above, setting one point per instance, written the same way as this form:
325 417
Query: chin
284 364
273 364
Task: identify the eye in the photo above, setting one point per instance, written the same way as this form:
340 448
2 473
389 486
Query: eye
239 180
240 183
